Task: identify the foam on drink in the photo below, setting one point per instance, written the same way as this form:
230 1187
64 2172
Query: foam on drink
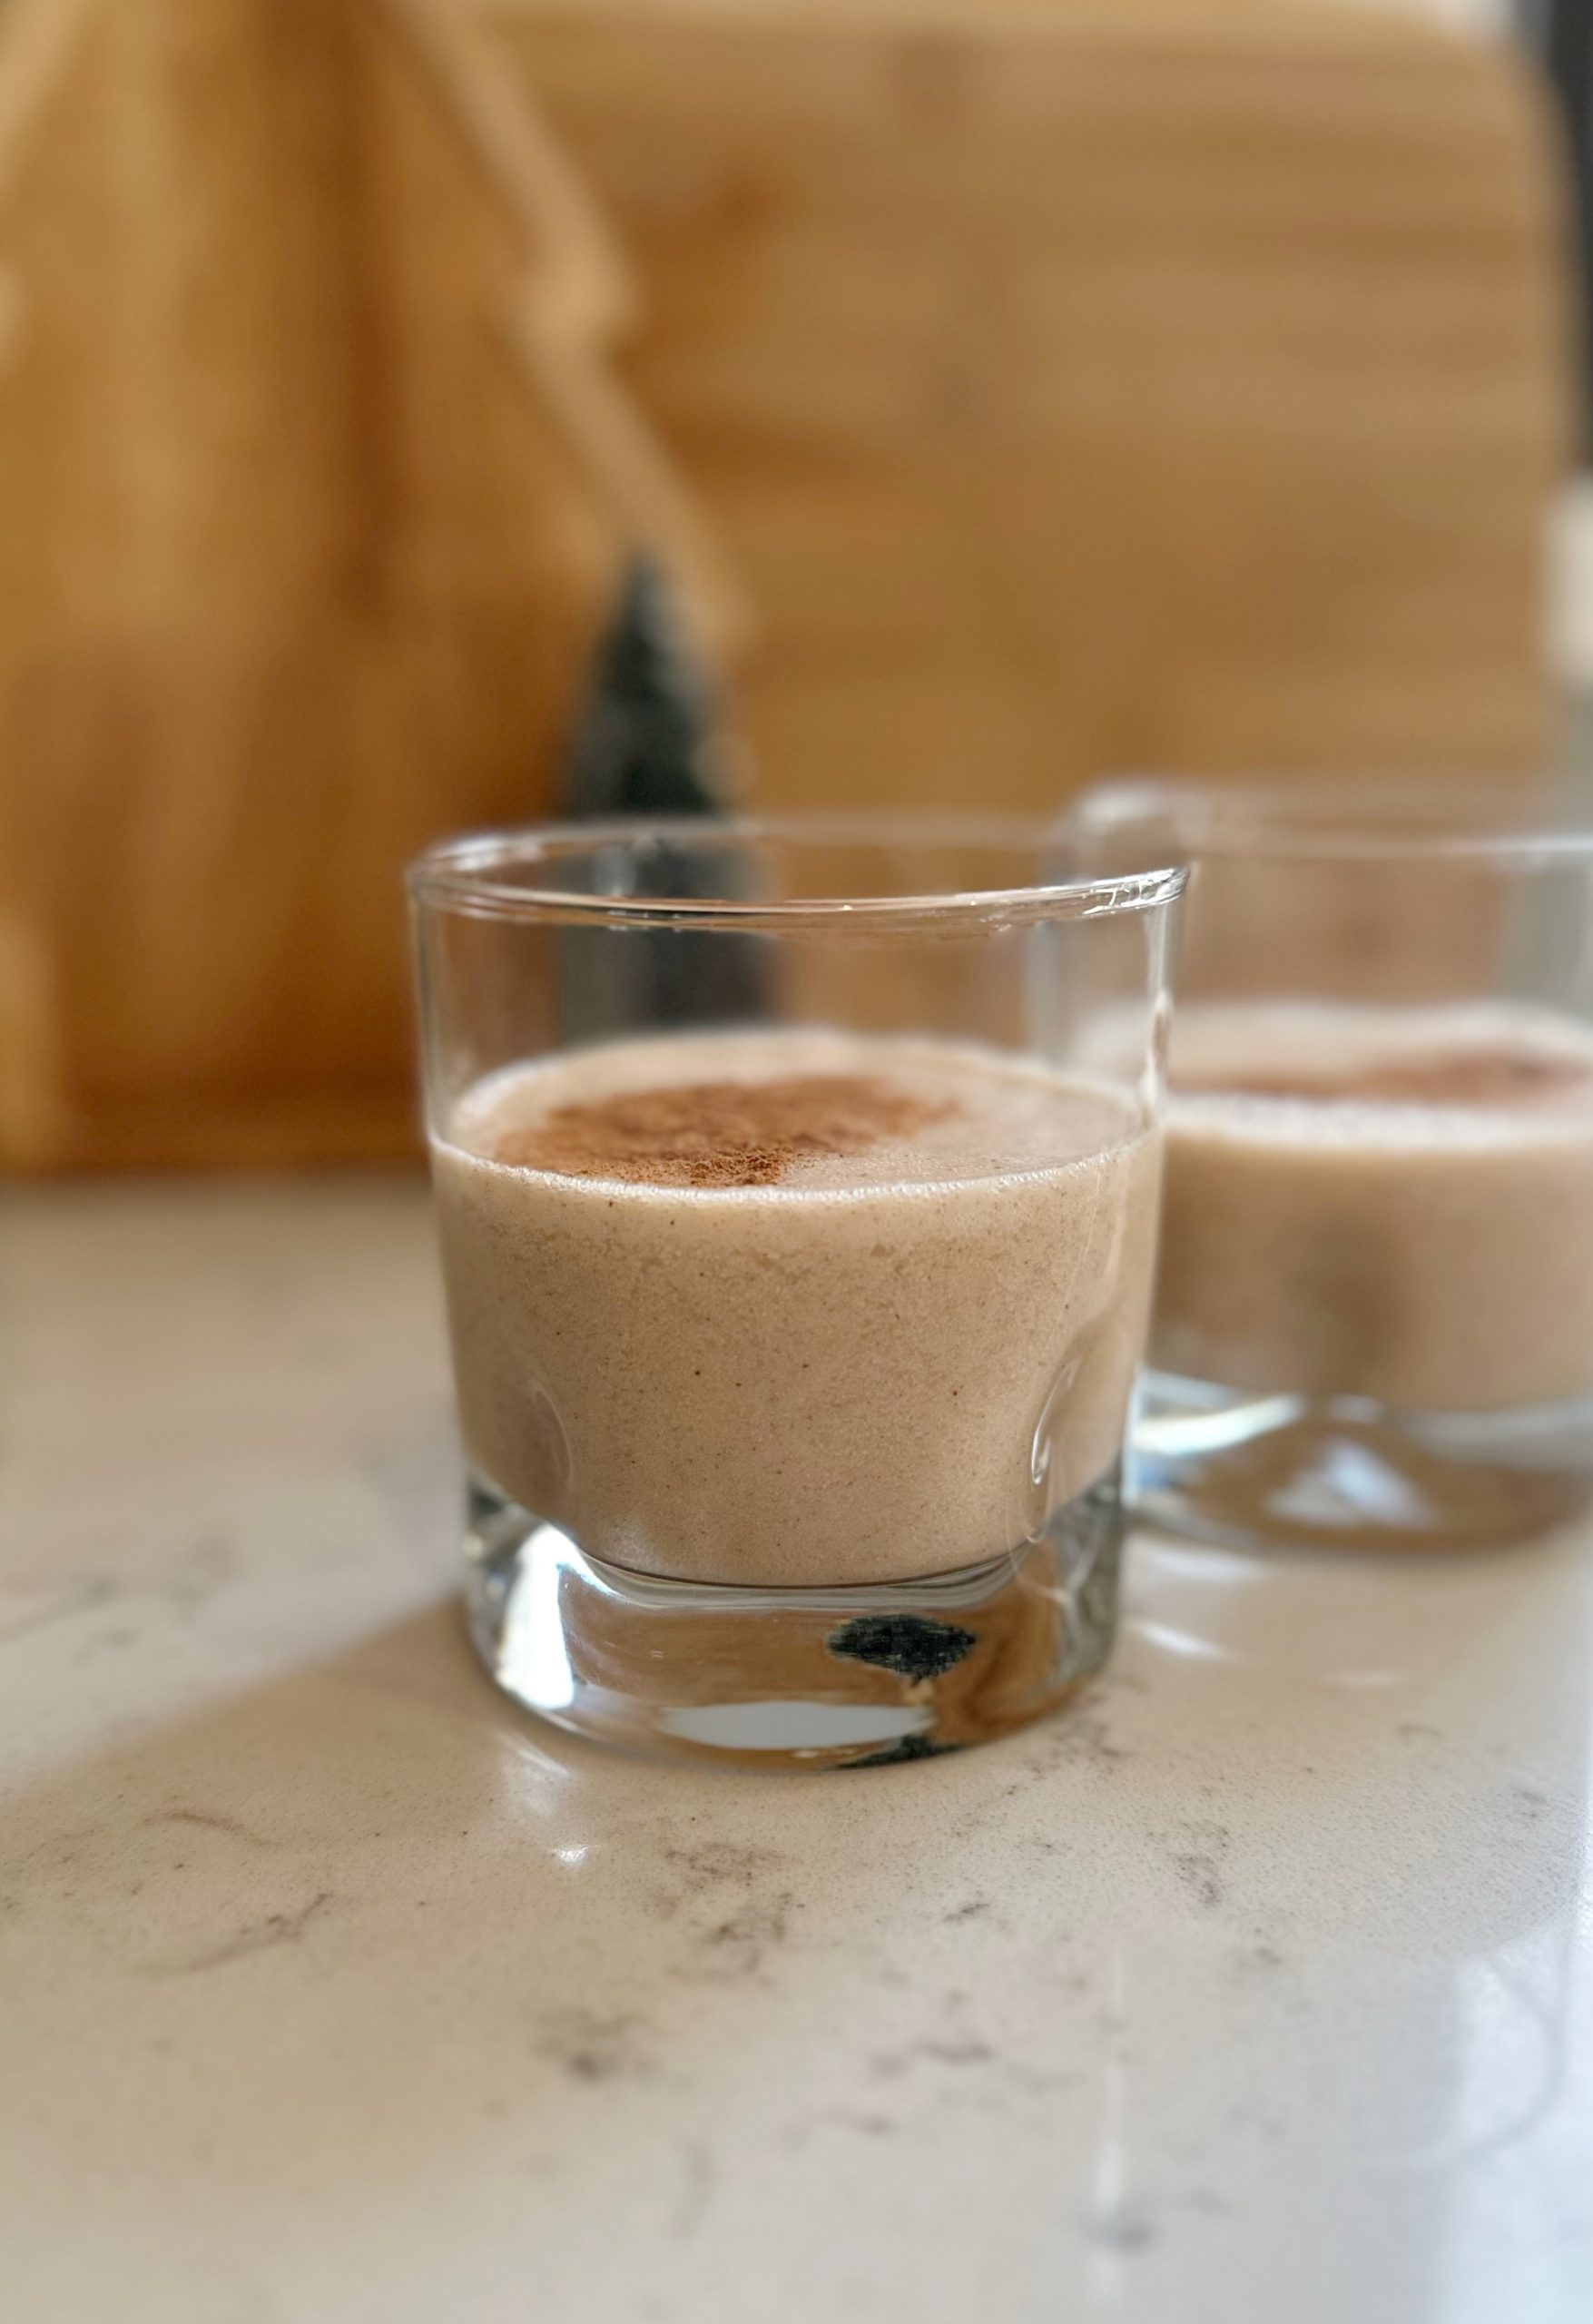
1391 1202
795 1307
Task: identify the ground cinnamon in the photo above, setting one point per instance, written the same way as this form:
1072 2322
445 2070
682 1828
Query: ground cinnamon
1496 1077
717 1133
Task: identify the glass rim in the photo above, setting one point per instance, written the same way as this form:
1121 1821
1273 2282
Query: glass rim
457 875
1362 818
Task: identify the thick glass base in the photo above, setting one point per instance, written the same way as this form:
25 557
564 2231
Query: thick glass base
1254 1471
818 1677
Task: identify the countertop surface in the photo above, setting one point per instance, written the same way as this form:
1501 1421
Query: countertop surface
333 1991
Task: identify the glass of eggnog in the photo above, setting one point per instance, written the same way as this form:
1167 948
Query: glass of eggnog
797 1231
1374 1306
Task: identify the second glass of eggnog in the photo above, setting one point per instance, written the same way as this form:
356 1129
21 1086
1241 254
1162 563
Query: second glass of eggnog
1374 1310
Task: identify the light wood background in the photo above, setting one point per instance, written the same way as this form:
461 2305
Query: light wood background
1016 393
1083 388
294 573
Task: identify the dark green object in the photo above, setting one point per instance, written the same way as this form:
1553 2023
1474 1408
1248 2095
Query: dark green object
647 746
910 1645
646 742
908 1746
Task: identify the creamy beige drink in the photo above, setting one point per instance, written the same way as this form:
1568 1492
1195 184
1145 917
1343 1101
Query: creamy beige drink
1390 1203
795 1308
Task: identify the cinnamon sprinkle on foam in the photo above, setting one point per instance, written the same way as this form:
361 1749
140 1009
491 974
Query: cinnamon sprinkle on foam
1501 1075
718 1133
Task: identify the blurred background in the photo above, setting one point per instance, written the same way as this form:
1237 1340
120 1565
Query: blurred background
417 414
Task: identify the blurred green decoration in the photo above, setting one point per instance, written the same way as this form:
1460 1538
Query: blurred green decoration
1562 31
648 743
645 742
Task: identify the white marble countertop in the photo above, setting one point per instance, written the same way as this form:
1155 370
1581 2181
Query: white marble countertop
334 1992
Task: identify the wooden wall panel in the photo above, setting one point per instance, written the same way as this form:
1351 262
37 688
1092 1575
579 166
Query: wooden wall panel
294 573
1016 393
1082 388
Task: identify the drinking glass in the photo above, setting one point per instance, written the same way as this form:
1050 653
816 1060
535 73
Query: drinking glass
1375 1313
798 1238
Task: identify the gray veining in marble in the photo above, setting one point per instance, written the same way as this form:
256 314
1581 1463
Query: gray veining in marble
330 1988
